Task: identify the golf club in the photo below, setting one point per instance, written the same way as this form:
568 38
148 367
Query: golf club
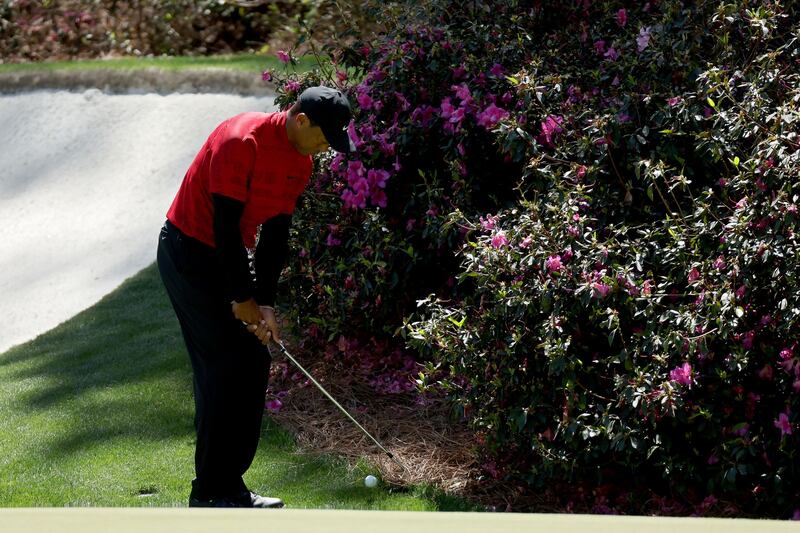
342 409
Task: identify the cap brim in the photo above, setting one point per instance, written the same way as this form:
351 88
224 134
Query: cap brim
340 141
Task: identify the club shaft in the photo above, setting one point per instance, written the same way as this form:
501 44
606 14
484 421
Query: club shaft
337 404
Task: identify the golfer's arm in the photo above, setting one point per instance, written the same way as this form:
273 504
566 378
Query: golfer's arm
271 253
230 248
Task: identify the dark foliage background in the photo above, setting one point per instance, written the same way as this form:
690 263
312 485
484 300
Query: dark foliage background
35 30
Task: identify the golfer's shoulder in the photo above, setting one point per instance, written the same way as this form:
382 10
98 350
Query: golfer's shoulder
245 125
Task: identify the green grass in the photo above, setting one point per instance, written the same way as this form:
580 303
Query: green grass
245 62
98 412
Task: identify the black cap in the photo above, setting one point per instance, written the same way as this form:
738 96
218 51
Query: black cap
330 110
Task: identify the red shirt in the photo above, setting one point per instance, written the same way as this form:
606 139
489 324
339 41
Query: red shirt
248 158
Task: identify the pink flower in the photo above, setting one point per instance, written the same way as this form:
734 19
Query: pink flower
497 70
458 72
489 222
647 287
283 57
364 100
600 46
622 17
274 405
740 292
447 109
291 86
458 115
341 76
675 100
553 263
463 92
719 262
491 116
682 374
378 197
600 289
551 127
499 240
332 241
611 54
423 114
526 242
581 173
353 134
782 423
266 75
694 275
377 178
787 353
643 40
567 253
354 200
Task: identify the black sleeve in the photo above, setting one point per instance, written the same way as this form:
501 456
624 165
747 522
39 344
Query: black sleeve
230 248
271 253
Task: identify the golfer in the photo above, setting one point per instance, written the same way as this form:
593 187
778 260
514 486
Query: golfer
248 175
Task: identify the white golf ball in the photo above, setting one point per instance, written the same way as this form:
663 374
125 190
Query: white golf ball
370 481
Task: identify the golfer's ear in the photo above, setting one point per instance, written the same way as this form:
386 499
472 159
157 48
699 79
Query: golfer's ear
302 119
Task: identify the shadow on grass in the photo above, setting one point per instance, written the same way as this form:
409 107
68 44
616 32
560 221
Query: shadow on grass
120 364
118 372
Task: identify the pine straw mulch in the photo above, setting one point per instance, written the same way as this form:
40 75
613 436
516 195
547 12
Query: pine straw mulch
434 449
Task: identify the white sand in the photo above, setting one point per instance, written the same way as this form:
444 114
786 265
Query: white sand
85 182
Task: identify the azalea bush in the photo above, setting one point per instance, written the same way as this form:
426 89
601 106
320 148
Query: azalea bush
34 30
579 218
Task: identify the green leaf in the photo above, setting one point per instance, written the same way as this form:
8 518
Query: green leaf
457 323
711 102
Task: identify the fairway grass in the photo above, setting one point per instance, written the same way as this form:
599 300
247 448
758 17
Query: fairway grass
255 63
98 412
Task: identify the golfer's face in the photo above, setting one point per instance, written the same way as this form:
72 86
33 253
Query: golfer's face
314 141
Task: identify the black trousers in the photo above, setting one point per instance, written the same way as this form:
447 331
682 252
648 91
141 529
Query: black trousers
229 364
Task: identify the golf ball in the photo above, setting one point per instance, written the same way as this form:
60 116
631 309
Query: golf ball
370 481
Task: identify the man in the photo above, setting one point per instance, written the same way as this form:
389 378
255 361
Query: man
248 174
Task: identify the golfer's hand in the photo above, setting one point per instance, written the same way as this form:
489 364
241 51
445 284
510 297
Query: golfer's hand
247 311
267 329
